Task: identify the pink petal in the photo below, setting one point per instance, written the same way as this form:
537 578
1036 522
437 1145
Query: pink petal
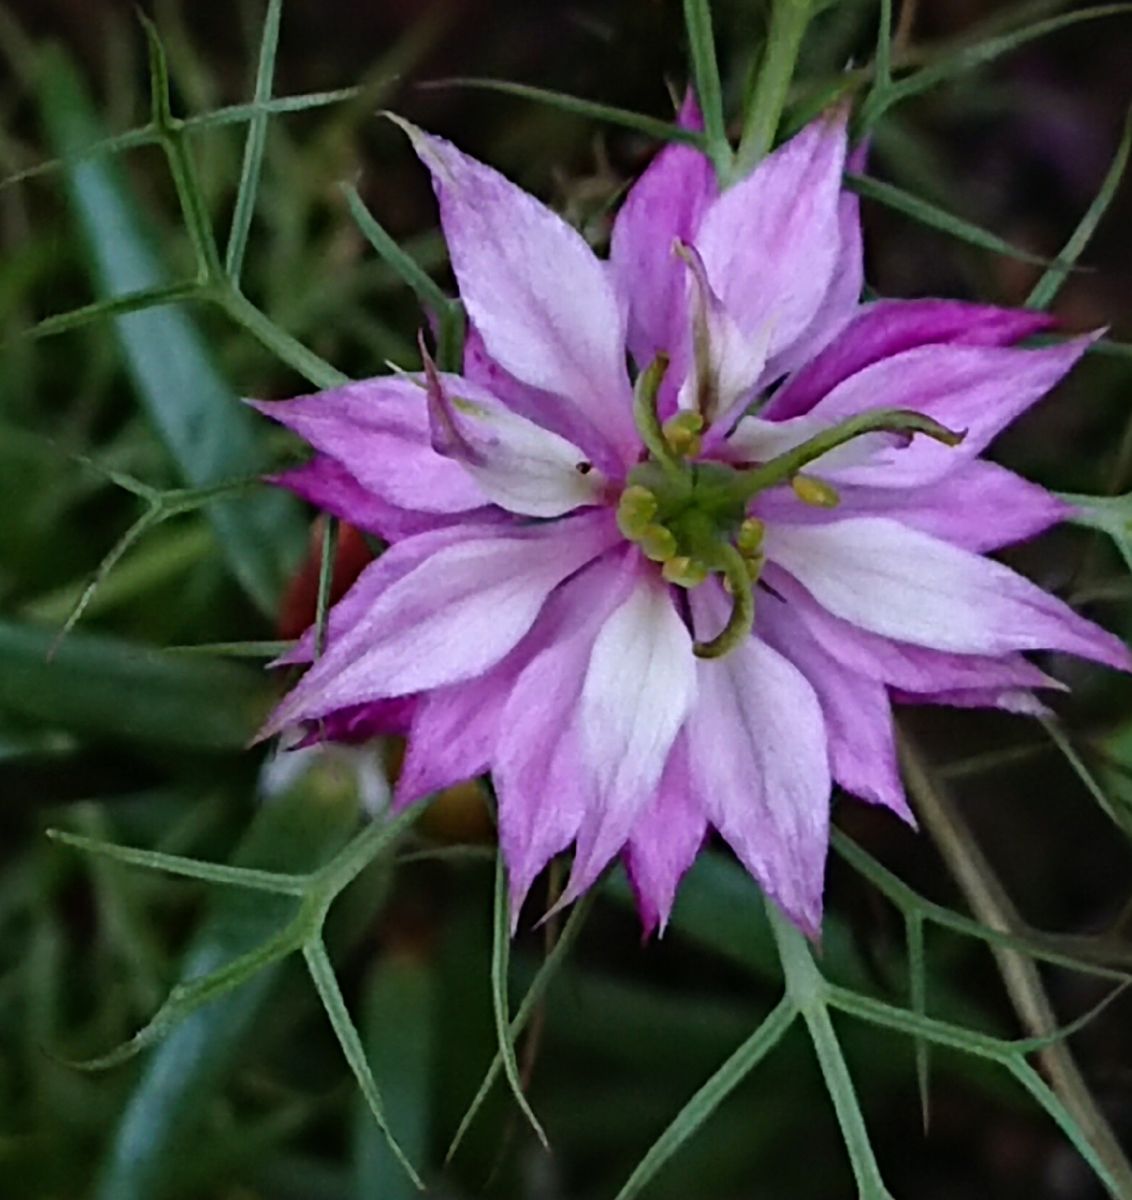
665 841
770 243
398 561
555 413
542 302
907 585
1013 700
978 389
842 299
898 664
379 431
639 684
981 506
517 464
663 206
449 619
890 327
542 794
759 762
362 722
326 484
857 712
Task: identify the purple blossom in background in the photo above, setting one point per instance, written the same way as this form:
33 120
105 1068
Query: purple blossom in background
632 604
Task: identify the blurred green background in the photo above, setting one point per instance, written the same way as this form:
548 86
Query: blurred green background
113 735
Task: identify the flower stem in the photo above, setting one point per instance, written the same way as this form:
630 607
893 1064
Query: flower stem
742 618
648 420
788 21
884 420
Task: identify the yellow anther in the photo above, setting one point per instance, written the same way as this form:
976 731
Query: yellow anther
658 543
635 511
682 433
815 492
684 572
749 539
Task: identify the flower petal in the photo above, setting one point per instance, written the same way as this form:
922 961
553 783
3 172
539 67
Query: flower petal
325 483
448 619
907 585
1013 700
977 389
890 327
639 684
379 576
665 841
842 298
379 431
665 204
857 711
979 507
757 745
908 668
784 219
517 464
555 413
543 795
542 302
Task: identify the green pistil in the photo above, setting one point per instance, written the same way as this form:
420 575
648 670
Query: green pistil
691 516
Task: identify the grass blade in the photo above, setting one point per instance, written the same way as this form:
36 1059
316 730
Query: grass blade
156 1135
126 691
254 145
500 962
709 91
1046 289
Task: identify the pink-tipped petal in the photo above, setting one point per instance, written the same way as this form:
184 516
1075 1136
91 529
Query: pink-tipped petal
663 206
542 302
759 762
1011 700
555 413
664 844
771 242
907 585
977 390
842 299
543 796
980 507
379 431
640 683
889 327
857 711
449 619
378 577
326 484
517 464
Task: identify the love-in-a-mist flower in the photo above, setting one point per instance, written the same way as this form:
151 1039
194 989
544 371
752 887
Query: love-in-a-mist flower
654 609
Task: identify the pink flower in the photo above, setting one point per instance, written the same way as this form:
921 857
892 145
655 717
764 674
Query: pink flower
552 606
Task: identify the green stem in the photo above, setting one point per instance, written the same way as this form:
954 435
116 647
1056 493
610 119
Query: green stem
806 988
885 420
308 364
788 21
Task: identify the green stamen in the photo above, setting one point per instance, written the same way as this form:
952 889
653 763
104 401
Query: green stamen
658 543
682 433
815 492
645 415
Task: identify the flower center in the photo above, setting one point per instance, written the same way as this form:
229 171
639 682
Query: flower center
691 516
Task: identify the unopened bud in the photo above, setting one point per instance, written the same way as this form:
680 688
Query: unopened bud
815 492
657 542
684 572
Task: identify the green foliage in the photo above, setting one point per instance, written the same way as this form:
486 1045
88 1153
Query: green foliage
224 1087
